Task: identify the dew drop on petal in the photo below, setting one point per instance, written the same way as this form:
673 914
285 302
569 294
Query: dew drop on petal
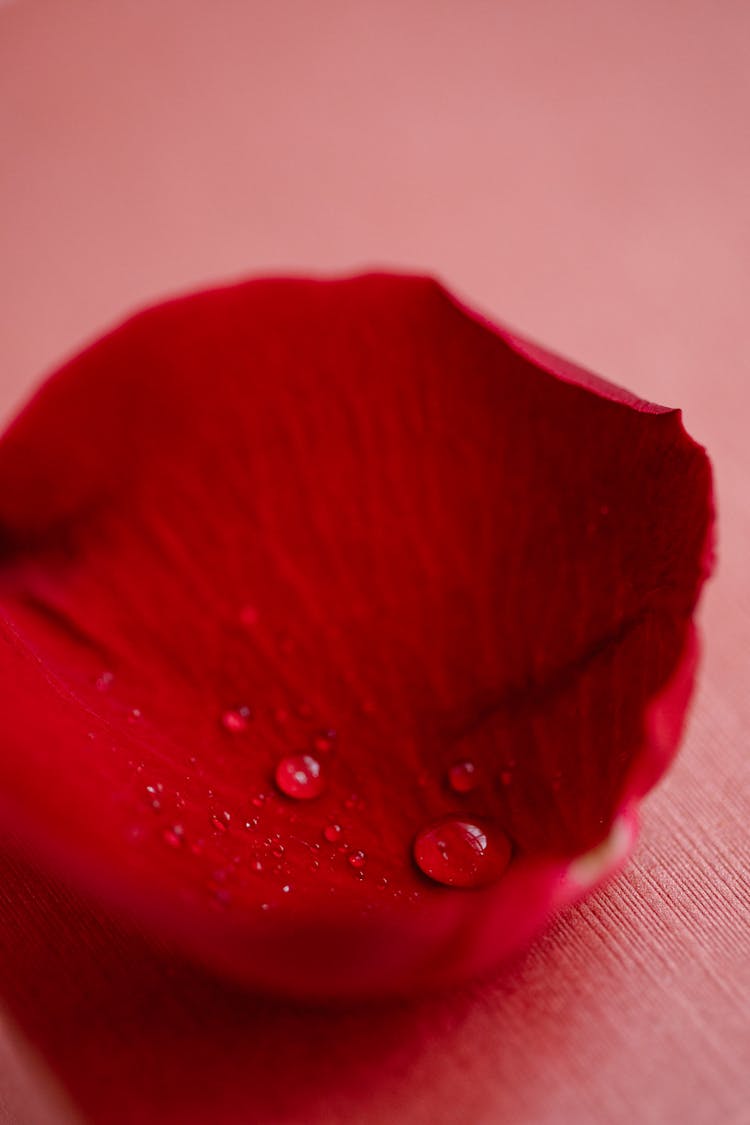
462 853
220 823
104 681
299 776
463 777
324 741
332 832
356 860
135 715
278 850
173 836
286 889
236 721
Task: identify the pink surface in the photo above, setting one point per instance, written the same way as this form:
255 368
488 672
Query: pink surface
579 171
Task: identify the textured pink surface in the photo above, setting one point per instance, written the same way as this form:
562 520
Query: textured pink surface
579 171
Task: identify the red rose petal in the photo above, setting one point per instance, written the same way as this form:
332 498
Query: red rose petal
450 554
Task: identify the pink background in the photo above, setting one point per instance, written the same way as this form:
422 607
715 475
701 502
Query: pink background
580 170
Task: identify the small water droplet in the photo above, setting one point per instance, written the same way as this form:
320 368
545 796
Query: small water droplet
462 853
463 777
173 836
104 681
299 776
252 823
249 616
315 865
220 823
324 741
356 860
156 804
135 715
236 721
258 800
286 889
332 832
278 851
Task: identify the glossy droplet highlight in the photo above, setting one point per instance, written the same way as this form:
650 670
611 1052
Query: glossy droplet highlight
463 777
299 776
332 833
462 853
236 721
356 860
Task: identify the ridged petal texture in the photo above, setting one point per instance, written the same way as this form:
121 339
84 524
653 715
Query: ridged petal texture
345 523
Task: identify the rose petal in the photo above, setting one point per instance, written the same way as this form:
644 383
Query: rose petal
347 520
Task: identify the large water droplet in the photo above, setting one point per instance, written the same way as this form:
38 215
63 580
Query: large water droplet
236 721
461 852
299 776
463 777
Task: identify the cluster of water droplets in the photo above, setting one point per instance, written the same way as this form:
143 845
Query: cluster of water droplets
456 850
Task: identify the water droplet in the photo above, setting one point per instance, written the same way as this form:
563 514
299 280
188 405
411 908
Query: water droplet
278 851
463 777
173 836
286 889
104 681
258 800
256 866
236 721
462 853
299 776
356 860
332 832
324 741
135 715
252 823
220 823
249 616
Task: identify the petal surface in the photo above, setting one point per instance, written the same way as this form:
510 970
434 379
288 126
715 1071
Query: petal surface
349 521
